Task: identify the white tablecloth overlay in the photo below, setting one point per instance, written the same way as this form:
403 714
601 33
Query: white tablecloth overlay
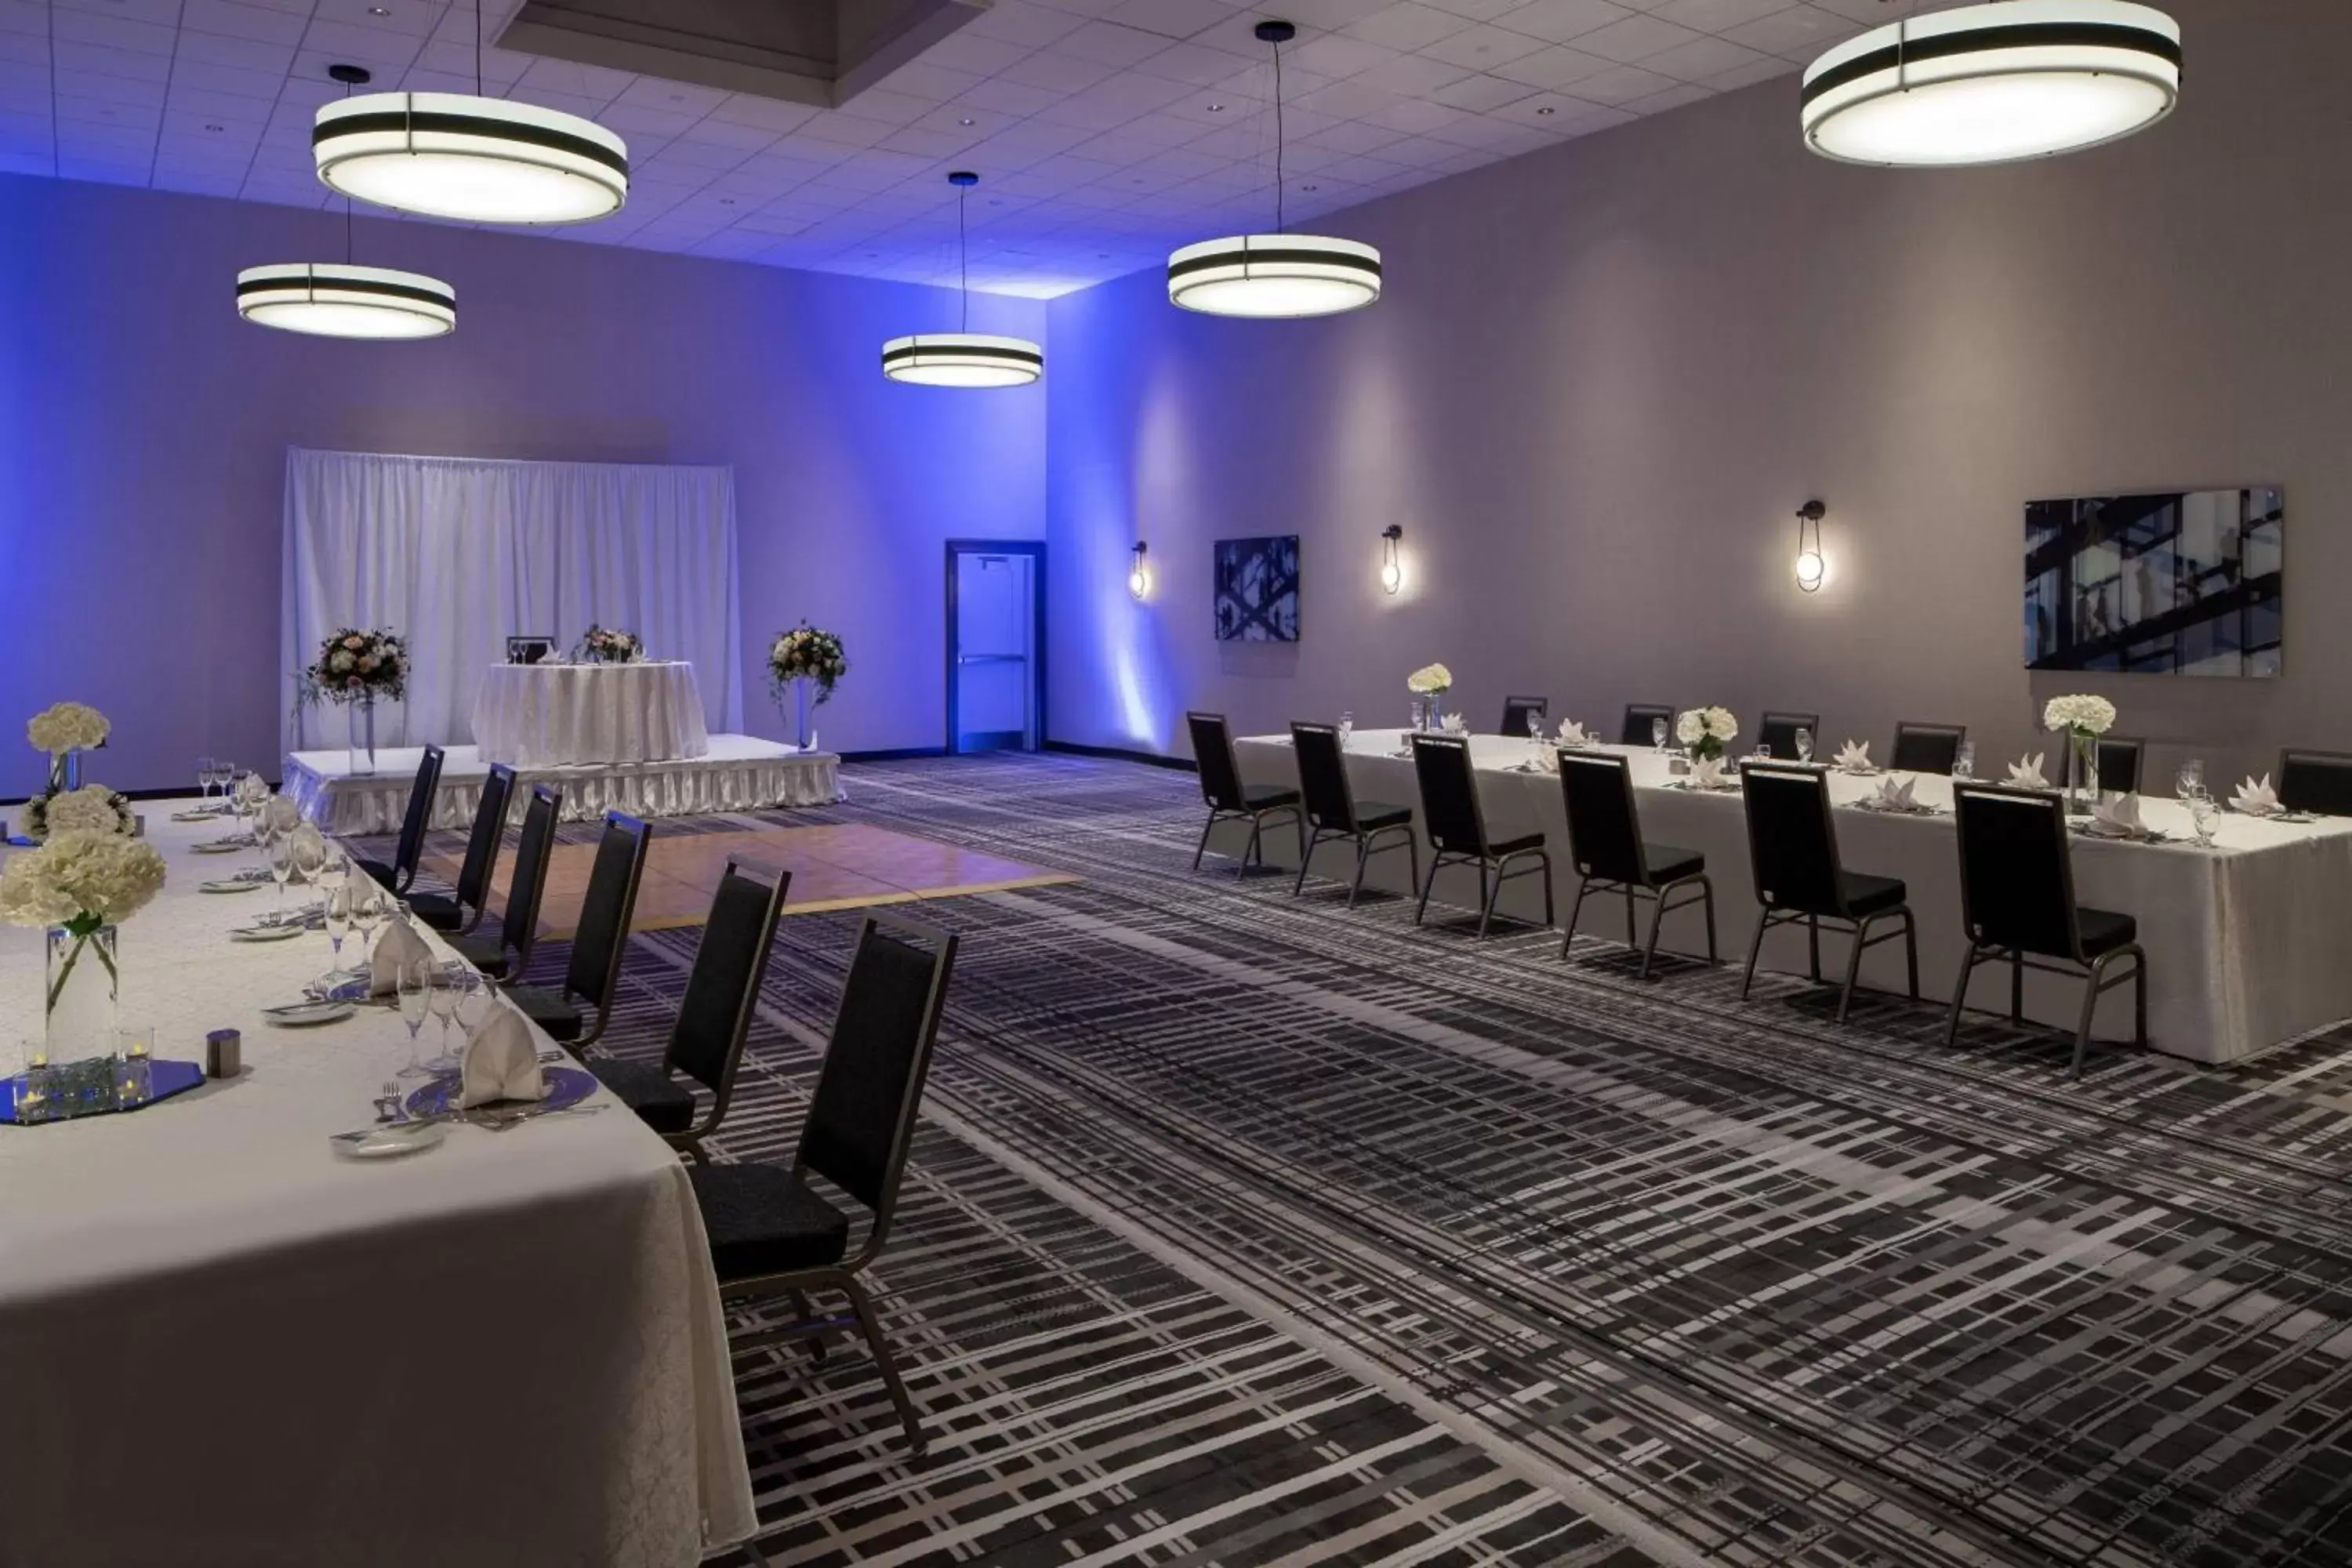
561 715
2245 942
222 1344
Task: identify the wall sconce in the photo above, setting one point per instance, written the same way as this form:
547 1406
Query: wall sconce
1392 569
1812 567
1136 581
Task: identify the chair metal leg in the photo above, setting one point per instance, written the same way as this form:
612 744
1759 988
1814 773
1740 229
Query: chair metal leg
800 1308
1707 891
1363 853
1412 852
1202 847
1257 825
864 1308
1911 949
1755 951
1575 908
1960 997
1305 853
1486 897
1853 972
2090 1011
1657 918
1631 938
2139 997
2017 986
1813 940
1549 907
1423 908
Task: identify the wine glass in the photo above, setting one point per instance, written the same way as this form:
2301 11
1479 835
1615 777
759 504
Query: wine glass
1658 735
339 923
204 782
413 984
1346 726
1964 761
1804 744
2205 815
2191 783
367 913
444 1002
280 849
1763 751
475 999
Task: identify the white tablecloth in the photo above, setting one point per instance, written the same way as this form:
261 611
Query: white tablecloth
2245 942
221 1344
564 715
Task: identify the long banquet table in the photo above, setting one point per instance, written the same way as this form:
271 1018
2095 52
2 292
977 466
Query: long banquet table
2245 942
220 1344
568 715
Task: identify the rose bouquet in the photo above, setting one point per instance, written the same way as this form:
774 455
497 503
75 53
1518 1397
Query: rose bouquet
1707 730
805 653
356 665
606 645
93 808
1430 681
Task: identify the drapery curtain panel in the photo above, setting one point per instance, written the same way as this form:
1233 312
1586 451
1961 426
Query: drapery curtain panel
456 555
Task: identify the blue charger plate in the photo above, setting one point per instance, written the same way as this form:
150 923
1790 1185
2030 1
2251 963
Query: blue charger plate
169 1078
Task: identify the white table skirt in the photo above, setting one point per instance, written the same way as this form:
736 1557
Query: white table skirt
2244 941
566 715
222 1344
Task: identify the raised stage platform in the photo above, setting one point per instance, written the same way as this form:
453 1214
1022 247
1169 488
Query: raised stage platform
740 773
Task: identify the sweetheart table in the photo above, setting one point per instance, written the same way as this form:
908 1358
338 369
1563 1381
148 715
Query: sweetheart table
2244 941
570 715
220 1344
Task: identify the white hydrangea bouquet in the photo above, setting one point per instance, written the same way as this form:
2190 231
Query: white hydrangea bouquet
355 665
606 645
1431 683
79 886
92 808
1705 732
2083 719
64 730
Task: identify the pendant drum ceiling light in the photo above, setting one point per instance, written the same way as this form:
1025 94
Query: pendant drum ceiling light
472 158
1993 83
961 358
340 300
1278 274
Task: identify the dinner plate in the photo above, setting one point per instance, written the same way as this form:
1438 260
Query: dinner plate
389 1142
306 1014
215 846
566 1087
230 885
266 933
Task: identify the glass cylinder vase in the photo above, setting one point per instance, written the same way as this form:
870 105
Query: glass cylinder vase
362 736
1436 711
804 706
80 1016
2082 773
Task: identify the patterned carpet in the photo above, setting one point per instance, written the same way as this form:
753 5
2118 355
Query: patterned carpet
1246 1229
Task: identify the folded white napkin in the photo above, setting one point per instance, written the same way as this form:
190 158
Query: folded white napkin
1854 756
1572 733
502 1062
2026 772
1707 773
2255 797
282 813
398 945
2121 816
1455 725
309 844
1894 794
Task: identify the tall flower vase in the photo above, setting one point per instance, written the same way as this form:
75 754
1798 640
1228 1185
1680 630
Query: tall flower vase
803 705
1436 711
362 738
65 771
82 980
2082 773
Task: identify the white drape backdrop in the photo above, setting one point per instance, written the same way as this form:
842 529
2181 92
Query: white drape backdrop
458 553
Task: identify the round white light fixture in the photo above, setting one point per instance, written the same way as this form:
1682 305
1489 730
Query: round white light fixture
1274 275
1391 568
1813 567
1277 275
963 359
1138 583
476 160
1993 83
335 300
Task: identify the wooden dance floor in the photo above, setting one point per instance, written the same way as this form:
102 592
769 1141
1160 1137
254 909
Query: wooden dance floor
840 867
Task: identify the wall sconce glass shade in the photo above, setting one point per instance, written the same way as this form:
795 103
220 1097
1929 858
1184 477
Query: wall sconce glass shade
1392 569
1813 567
1136 580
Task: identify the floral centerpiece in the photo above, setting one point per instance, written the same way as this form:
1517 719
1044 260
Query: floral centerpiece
2083 719
606 645
1705 732
1432 681
80 886
356 669
806 661
92 808
65 730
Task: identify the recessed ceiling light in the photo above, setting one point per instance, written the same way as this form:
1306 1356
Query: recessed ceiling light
212 127
963 123
1310 187
1216 108
1544 109
727 201
379 10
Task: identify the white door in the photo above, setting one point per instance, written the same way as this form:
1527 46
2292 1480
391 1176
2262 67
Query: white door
995 653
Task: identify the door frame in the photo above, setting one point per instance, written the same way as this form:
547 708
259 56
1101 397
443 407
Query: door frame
1035 550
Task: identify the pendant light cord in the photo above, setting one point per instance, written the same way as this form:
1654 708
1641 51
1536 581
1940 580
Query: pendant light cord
1277 138
478 50
963 262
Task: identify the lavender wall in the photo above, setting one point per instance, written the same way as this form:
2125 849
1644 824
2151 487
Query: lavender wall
143 427
1605 375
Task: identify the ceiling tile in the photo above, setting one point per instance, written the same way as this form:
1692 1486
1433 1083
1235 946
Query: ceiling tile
1557 21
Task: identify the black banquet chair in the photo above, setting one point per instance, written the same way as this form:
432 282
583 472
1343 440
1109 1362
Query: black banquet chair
1518 711
462 911
1605 839
1639 718
401 871
1228 799
1793 849
2119 765
1333 812
2316 781
714 1016
1456 825
1927 748
2017 902
1778 731
592 977
519 922
773 1237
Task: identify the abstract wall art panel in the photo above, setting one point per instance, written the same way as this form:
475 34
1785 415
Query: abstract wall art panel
2182 583
1256 597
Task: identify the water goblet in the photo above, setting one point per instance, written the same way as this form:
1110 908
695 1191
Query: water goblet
2190 783
367 913
444 1002
1964 761
280 850
2205 815
339 923
413 985
203 782
1763 751
475 1000
1658 735
1804 744
1346 728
